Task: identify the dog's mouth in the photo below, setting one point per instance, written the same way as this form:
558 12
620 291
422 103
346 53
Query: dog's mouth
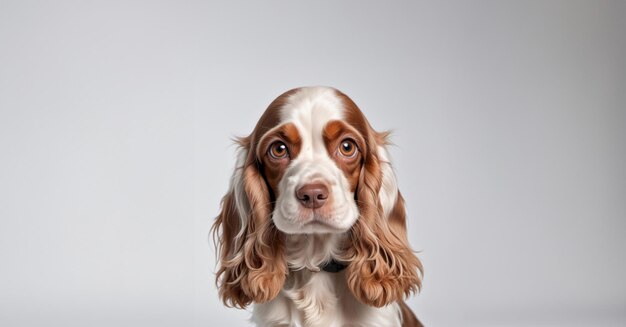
314 221
317 223
319 227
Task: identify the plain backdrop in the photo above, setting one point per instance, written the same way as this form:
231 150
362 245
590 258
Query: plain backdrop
116 127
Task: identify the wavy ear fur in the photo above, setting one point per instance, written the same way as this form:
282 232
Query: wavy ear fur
383 268
252 266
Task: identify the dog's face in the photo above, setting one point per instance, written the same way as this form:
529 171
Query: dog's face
314 165
312 161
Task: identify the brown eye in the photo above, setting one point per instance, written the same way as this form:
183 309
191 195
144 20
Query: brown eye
347 148
278 150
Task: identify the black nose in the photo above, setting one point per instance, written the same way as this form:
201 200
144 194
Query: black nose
312 196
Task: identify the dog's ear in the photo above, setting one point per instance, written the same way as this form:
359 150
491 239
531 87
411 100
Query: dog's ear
383 268
252 265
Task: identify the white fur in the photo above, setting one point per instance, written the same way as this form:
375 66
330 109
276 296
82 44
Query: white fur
241 199
310 109
310 251
312 298
321 299
389 190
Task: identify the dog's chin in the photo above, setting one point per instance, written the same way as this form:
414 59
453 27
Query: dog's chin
317 227
313 223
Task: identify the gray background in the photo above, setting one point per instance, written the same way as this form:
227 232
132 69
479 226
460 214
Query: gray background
509 121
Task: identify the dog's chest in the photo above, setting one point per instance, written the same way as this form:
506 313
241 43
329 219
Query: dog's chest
312 299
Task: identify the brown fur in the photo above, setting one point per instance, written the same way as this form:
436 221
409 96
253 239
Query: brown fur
383 268
255 270
273 169
335 132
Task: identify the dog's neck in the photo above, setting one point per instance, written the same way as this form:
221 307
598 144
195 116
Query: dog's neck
314 252
315 297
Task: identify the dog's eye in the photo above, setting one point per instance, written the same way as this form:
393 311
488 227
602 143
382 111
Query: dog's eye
347 148
278 150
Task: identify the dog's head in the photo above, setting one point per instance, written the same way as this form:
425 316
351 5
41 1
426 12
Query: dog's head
314 165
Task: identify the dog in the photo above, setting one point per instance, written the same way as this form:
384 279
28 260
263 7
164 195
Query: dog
312 230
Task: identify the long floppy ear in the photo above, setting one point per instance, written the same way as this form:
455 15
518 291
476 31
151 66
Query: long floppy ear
252 266
383 268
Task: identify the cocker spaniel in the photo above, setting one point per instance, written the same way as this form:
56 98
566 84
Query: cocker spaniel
313 227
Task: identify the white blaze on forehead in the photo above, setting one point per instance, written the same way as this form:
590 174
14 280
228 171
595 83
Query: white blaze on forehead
310 109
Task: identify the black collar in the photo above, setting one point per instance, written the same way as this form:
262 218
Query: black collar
333 266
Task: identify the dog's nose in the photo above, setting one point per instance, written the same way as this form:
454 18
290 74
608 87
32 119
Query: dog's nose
313 195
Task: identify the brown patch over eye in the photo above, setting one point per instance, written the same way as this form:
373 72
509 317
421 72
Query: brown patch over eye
345 146
276 149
